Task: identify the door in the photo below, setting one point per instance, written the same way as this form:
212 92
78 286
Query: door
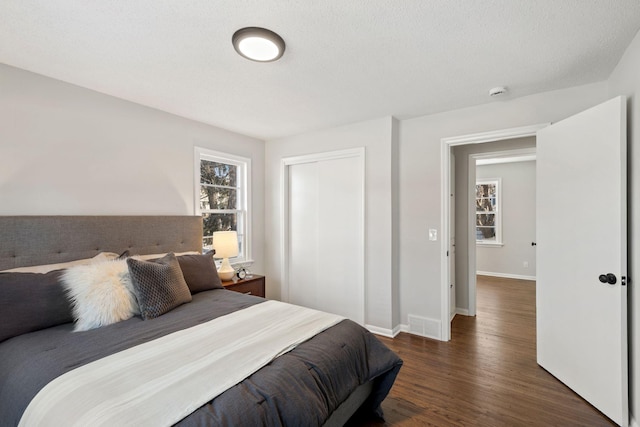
325 244
581 235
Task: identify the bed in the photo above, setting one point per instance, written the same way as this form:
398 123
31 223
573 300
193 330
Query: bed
315 379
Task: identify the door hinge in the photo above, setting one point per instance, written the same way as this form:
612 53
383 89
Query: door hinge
623 280
447 253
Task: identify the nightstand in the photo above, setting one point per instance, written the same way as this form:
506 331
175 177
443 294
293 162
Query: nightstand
253 285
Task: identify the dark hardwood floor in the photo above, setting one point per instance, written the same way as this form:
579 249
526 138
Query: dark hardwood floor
486 375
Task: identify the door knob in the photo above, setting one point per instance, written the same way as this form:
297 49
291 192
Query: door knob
609 278
533 243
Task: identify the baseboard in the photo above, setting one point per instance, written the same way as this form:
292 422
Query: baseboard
385 332
392 333
506 275
418 325
458 310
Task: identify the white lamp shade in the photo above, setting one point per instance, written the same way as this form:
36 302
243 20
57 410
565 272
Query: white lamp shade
226 244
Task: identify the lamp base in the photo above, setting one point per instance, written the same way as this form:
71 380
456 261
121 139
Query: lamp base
226 272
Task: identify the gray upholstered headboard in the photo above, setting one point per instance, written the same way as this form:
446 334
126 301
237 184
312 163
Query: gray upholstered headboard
35 240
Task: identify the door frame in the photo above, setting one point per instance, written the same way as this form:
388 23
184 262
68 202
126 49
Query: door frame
453 289
446 145
359 263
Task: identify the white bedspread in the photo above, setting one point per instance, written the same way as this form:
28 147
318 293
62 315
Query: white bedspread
162 381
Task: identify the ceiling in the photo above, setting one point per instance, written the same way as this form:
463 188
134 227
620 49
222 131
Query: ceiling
345 61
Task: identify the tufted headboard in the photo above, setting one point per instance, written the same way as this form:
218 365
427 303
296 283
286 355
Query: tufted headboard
35 240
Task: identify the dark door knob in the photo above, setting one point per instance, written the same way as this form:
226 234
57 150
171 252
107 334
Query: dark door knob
609 278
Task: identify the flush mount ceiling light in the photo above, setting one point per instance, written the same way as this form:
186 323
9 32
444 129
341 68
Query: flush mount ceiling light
258 44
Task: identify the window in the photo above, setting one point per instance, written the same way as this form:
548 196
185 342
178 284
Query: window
222 197
488 212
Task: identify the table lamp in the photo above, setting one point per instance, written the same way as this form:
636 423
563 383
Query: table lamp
226 245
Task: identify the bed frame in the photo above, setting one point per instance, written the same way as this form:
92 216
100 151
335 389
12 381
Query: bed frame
37 240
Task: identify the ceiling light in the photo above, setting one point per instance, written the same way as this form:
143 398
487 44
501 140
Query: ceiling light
258 44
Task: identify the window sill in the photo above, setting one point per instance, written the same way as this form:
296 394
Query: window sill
490 245
242 263
235 262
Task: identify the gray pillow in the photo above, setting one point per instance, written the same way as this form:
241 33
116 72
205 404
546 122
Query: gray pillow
200 272
30 302
159 286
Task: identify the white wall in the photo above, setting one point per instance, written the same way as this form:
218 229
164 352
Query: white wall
625 80
420 142
65 150
377 137
518 221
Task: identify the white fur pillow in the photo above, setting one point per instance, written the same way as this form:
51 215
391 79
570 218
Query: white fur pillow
101 294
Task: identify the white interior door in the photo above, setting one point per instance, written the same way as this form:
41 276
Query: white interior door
325 254
304 268
581 235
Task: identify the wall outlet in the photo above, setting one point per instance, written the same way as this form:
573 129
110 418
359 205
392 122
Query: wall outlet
433 234
525 264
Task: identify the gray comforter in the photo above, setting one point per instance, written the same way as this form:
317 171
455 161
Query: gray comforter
302 387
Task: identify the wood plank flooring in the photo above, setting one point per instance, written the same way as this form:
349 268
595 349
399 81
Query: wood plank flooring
486 375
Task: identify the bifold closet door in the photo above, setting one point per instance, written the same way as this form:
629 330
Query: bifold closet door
325 243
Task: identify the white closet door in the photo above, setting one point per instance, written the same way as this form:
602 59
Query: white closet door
303 234
325 243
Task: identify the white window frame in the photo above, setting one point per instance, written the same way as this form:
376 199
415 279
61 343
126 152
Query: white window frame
244 195
498 211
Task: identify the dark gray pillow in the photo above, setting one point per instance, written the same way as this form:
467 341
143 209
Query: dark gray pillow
159 286
200 272
30 302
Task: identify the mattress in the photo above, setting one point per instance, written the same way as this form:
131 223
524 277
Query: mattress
302 387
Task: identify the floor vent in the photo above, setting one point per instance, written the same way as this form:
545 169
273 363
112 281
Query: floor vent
424 326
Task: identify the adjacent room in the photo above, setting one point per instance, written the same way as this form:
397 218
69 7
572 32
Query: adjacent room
444 193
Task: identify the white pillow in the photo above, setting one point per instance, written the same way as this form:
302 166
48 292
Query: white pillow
45 268
101 293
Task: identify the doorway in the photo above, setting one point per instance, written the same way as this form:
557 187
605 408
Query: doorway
498 216
505 140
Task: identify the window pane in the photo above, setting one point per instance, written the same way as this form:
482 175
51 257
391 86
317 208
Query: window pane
486 190
486 220
485 233
218 173
218 222
218 198
486 205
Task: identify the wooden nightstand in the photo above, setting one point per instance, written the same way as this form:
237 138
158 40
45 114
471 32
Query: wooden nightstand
253 285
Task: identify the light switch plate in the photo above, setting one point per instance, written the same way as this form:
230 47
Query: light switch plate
433 234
